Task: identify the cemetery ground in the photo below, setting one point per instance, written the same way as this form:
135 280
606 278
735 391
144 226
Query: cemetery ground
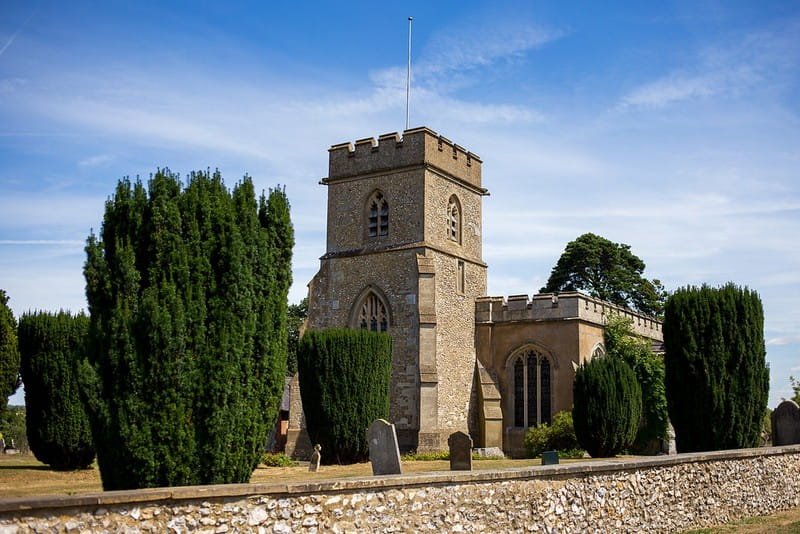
23 475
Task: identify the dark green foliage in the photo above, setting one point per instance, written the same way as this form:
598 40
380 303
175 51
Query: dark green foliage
9 355
795 389
12 427
50 346
344 384
606 270
607 406
559 436
187 294
277 459
622 342
296 315
716 373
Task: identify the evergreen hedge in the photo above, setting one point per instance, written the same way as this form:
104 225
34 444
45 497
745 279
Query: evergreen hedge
186 359
607 406
717 377
57 426
9 353
344 384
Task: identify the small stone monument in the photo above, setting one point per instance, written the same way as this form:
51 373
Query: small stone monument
550 458
383 450
460 451
785 421
313 464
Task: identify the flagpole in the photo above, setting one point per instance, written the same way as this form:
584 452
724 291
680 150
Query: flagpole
408 73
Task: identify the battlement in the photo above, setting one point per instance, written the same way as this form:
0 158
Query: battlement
550 306
418 146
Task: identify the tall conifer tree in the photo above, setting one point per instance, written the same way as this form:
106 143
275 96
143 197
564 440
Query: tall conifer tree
9 353
187 291
717 378
57 426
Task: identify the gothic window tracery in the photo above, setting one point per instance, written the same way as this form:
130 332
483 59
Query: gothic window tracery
454 220
372 314
378 215
532 385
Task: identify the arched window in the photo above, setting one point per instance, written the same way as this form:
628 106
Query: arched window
454 220
598 351
532 388
377 215
372 314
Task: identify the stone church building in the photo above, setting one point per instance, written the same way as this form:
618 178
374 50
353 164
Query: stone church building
404 255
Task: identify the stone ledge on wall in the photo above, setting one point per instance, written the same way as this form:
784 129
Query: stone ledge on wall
657 494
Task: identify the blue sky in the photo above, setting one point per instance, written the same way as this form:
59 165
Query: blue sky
670 126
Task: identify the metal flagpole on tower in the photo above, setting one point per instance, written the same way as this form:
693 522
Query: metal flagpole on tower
408 72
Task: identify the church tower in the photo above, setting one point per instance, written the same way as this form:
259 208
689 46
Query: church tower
404 256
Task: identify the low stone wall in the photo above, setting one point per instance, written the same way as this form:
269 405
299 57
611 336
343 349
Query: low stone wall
659 494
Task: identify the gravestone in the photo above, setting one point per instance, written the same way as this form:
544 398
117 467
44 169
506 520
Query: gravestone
383 450
316 457
785 421
460 451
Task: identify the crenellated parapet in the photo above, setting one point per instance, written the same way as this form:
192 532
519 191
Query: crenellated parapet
562 306
418 146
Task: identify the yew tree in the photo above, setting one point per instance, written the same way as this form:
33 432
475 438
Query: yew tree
187 287
9 352
717 377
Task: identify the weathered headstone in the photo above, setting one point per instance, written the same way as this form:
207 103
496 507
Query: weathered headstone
383 450
785 421
550 458
313 464
460 451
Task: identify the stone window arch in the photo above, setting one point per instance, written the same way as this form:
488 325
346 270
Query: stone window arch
370 312
454 219
377 215
598 351
531 373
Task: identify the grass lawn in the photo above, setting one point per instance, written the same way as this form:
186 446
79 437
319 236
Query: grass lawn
23 475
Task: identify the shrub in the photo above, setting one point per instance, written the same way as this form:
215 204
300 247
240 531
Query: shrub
344 384
607 406
559 436
426 456
716 372
57 426
622 342
186 360
279 459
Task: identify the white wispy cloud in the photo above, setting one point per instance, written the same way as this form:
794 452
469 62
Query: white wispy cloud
781 341
725 68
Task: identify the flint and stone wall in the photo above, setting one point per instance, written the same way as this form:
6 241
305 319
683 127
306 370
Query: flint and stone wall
656 494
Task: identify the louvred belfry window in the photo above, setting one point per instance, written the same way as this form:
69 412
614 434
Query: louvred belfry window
454 220
378 217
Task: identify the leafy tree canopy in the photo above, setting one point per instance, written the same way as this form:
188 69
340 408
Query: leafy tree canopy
796 388
622 342
609 271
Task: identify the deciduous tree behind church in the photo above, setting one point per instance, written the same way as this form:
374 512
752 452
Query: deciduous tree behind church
608 271
187 291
